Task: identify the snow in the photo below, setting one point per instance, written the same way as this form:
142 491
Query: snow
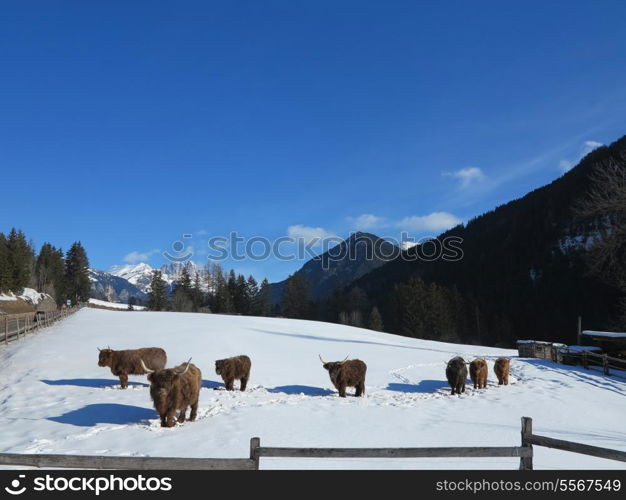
32 296
114 305
29 295
613 335
55 399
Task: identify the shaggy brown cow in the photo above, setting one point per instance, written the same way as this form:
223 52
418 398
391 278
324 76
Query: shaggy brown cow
230 369
456 373
501 369
478 373
124 363
347 373
173 390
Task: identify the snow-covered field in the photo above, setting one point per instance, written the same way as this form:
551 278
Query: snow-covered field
114 305
55 399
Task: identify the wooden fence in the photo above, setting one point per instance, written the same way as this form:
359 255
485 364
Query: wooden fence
605 362
524 452
16 326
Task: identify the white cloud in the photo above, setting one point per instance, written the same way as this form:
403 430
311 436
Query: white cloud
135 257
309 234
587 147
436 221
591 145
467 176
368 221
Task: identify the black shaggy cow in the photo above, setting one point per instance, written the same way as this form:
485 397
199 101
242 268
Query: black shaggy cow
234 368
347 373
128 362
174 390
456 373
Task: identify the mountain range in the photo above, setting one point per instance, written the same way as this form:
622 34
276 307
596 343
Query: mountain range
354 257
133 280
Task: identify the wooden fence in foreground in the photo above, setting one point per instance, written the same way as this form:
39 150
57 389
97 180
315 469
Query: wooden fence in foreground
16 326
524 452
605 362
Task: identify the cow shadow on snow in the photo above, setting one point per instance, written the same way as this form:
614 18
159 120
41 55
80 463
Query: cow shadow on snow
91 382
105 413
212 384
423 386
301 389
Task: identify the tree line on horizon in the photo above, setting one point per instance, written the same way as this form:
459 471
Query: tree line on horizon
64 276
222 293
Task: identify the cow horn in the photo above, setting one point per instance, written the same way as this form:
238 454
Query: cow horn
146 369
186 368
323 362
346 358
98 349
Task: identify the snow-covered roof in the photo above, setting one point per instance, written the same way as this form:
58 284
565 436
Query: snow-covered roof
610 335
581 348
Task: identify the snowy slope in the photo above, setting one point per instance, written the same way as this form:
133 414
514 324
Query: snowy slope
114 305
55 399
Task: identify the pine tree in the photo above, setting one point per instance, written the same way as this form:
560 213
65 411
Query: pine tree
197 296
21 258
263 300
252 291
223 298
50 271
375 320
240 296
77 284
296 298
5 270
157 297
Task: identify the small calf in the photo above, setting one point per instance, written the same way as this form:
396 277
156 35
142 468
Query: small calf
230 369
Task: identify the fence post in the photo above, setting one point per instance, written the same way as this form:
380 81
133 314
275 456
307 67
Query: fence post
526 463
6 330
255 443
585 362
605 363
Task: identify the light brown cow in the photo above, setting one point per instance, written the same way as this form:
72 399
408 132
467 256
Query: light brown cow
501 369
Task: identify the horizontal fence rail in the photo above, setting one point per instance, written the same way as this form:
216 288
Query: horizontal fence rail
133 463
439 452
585 449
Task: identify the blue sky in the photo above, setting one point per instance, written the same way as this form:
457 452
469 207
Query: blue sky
127 124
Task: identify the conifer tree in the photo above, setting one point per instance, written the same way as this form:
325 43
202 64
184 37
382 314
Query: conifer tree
21 258
375 320
197 296
157 297
77 284
296 298
263 300
50 271
5 270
